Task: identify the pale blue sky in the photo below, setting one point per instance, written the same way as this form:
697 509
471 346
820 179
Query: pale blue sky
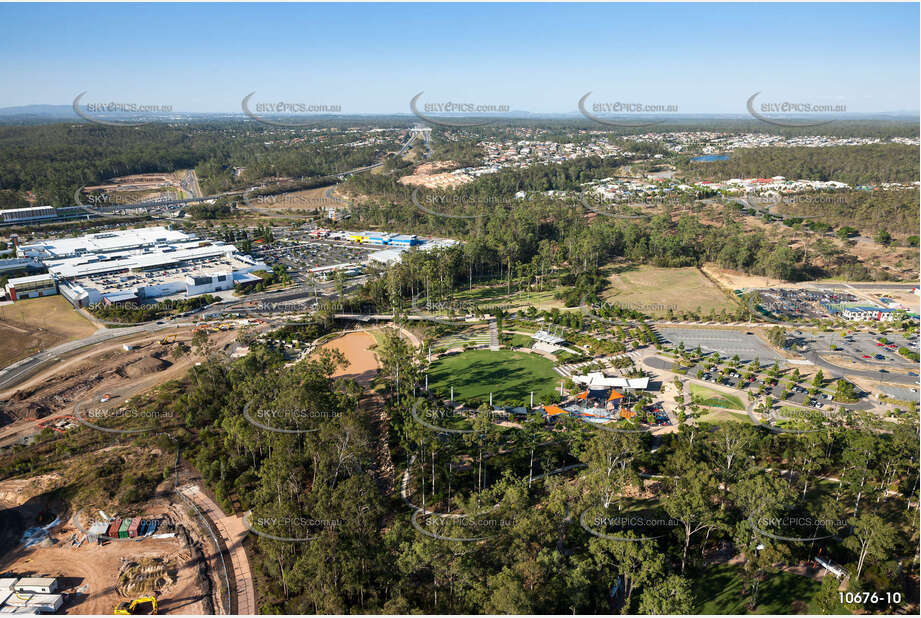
704 58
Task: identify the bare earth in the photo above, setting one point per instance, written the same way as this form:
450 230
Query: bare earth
90 573
29 326
356 347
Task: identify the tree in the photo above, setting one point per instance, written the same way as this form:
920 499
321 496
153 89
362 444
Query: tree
819 379
532 435
873 537
638 562
610 459
761 498
673 595
845 391
883 237
692 500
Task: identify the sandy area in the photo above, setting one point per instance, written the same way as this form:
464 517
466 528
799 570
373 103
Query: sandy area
356 347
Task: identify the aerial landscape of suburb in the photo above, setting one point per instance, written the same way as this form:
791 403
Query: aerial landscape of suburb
459 309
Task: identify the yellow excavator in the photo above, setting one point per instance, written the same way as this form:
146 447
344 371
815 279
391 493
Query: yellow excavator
136 607
168 339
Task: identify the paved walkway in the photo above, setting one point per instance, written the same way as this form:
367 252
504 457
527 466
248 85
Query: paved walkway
233 532
493 336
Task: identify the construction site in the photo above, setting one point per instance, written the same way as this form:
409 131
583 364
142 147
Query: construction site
168 569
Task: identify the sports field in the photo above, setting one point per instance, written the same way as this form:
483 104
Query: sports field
35 324
510 376
654 290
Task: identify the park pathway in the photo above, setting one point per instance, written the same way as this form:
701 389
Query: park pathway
493 336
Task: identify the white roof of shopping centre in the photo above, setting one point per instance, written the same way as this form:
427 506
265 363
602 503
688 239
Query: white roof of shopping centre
85 265
105 242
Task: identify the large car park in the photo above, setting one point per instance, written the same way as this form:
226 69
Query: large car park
800 303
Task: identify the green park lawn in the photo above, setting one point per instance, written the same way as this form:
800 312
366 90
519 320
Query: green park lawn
708 397
510 376
719 591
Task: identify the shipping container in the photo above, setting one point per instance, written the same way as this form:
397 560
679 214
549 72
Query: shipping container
46 603
123 529
133 529
37 585
113 529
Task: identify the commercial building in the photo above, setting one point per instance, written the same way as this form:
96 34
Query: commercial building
139 264
33 286
32 604
25 215
384 238
103 242
19 264
597 379
405 240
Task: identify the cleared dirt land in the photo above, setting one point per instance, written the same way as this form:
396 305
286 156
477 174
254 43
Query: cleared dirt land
30 326
356 347
654 290
94 578
310 199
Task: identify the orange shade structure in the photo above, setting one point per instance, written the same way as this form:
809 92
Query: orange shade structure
554 410
614 395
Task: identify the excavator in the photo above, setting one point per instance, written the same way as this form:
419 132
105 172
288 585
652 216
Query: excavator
137 607
168 339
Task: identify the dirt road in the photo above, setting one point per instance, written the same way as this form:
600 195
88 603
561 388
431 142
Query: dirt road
232 532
